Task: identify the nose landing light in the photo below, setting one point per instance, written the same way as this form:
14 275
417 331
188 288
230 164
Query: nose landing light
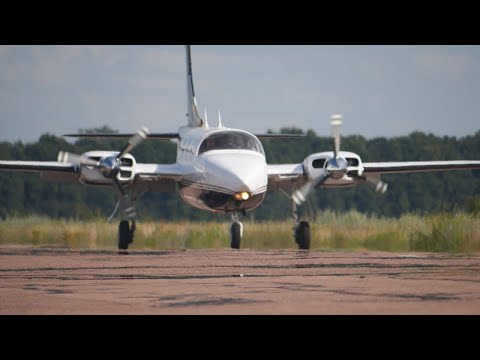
242 196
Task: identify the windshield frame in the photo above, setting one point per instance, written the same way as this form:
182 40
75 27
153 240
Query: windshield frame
257 145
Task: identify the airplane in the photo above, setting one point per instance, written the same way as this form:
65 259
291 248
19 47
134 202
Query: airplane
219 169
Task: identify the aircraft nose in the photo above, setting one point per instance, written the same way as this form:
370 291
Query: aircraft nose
237 172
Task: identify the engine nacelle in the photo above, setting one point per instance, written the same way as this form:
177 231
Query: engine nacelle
315 164
91 175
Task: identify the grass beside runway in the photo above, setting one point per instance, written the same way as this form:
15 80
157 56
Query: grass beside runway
448 232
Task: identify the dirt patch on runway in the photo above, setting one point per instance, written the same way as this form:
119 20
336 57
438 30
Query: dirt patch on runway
64 281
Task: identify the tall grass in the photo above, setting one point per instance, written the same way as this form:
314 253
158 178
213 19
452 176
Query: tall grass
457 232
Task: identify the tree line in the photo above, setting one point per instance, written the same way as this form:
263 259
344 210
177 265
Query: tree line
26 194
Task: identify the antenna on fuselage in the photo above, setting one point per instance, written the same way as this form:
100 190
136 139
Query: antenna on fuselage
220 125
206 119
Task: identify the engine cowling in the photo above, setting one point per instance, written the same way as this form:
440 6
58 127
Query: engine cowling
315 164
95 176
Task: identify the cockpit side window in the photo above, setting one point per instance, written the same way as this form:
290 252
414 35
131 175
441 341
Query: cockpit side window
230 140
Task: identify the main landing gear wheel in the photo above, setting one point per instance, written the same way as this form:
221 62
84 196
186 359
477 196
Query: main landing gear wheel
125 234
302 235
235 235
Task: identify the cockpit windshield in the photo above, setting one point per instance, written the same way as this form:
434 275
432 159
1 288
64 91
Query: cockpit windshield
230 140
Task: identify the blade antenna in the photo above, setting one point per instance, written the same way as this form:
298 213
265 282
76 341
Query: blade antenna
206 119
220 124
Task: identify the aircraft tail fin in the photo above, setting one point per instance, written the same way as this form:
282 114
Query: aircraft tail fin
193 118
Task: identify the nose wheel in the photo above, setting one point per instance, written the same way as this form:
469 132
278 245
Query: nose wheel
125 234
236 232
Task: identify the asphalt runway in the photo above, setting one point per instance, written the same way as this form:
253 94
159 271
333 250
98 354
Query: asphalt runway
64 281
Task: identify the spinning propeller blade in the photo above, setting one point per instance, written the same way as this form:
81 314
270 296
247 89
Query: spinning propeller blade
300 195
66 157
136 139
335 122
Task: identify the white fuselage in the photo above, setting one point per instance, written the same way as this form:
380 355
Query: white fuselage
219 163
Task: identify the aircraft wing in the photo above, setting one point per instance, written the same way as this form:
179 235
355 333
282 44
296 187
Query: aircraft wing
418 166
159 177
49 170
152 172
283 176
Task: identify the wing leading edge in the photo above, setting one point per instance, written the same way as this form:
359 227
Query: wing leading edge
48 170
284 176
158 177
38 166
156 172
161 176
173 171
419 166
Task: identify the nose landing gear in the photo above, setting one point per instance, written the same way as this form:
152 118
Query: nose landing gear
236 232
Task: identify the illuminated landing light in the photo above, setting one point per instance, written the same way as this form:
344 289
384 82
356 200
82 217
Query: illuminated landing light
242 196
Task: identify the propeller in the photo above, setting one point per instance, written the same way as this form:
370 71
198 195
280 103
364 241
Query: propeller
136 139
335 122
378 185
375 183
110 167
335 168
65 157
300 195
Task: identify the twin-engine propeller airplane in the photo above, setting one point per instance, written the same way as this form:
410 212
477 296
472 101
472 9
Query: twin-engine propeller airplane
219 169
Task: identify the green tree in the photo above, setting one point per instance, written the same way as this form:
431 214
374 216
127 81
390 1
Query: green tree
25 194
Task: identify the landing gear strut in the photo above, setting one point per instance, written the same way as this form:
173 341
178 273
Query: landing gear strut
125 234
236 232
301 230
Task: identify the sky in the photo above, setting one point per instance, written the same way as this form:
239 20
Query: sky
380 90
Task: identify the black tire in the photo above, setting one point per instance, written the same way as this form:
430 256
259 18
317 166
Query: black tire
131 232
235 236
123 235
302 235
